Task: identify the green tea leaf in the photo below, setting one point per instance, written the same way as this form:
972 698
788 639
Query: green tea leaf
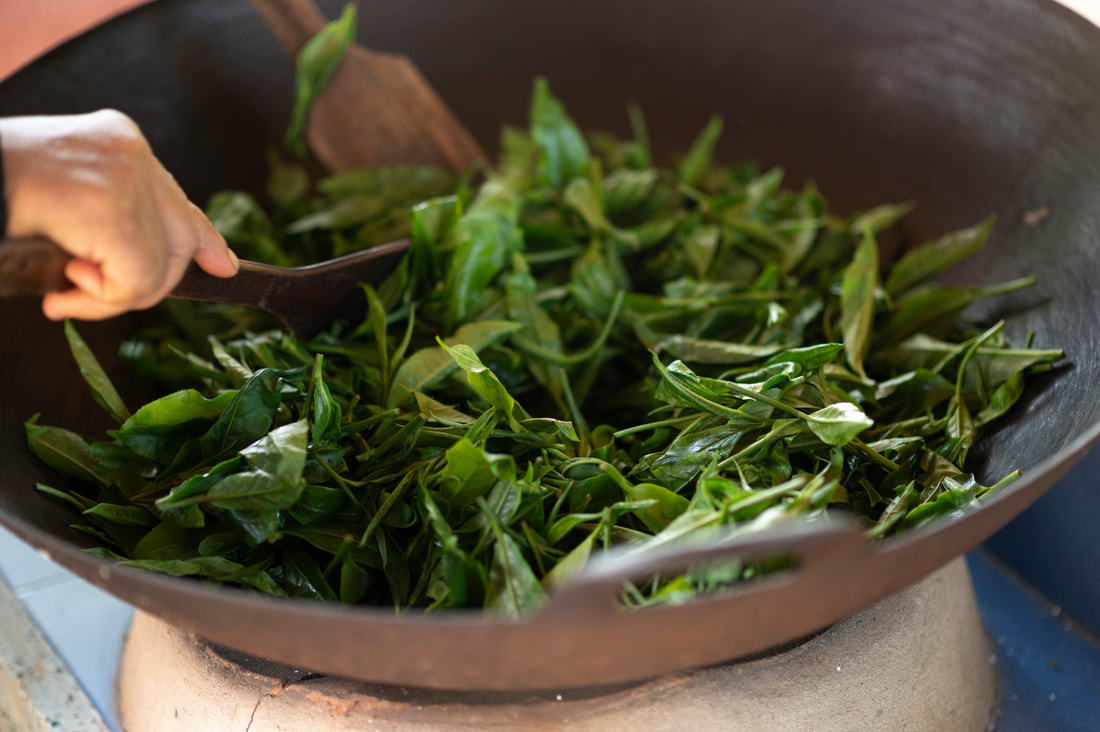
513 590
161 426
934 308
65 451
698 350
879 218
571 565
562 151
580 196
838 424
301 576
700 246
857 302
326 414
251 412
665 507
318 503
430 409
275 482
950 502
167 541
698 159
471 471
935 256
121 514
98 381
317 62
342 213
809 358
485 240
484 381
428 366
1001 400
625 189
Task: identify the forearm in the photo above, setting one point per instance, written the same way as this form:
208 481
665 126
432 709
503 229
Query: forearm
29 28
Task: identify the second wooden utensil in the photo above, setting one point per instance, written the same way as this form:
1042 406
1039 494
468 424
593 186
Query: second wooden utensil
377 109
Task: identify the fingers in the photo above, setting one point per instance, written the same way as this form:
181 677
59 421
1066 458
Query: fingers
76 303
213 254
86 276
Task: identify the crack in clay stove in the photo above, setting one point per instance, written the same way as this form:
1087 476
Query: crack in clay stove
275 692
256 708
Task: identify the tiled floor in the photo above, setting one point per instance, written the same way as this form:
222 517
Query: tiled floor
85 624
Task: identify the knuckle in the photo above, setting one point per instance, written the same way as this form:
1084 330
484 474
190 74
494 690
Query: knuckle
118 138
119 126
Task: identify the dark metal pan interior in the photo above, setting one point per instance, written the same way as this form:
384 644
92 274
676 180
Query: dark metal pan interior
964 107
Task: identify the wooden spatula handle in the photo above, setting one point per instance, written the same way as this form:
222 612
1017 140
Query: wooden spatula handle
305 299
32 266
36 265
292 21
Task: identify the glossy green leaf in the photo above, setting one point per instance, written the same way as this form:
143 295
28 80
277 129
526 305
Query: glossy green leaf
699 158
562 151
167 541
342 213
879 218
932 258
484 381
251 412
428 366
571 565
838 424
317 62
626 189
471 471
301 576
64 451
934 308
161 426
98 381
513 590
326 414
857 302
122 514
275 482
698 350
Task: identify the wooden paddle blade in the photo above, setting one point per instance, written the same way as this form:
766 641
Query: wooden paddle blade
306 299
377 109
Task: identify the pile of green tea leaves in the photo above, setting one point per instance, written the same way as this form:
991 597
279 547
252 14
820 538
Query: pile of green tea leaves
585 350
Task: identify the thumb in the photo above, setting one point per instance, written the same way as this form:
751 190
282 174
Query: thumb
213 255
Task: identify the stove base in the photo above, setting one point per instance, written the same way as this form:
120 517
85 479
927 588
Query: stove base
920 660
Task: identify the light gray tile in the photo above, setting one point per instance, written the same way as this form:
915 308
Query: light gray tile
37 692
87 627
21 564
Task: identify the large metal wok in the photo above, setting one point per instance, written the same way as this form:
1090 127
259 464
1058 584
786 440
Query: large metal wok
964 106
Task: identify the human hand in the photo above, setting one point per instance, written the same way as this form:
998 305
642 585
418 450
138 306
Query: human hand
91 183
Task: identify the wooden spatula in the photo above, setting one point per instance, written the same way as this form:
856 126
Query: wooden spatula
305 299
377 109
